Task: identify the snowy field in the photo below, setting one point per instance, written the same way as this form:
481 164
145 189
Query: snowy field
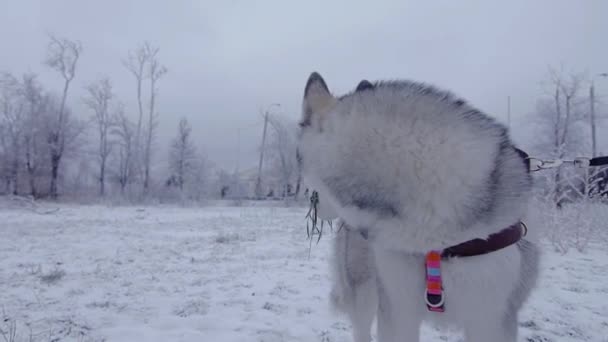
222 274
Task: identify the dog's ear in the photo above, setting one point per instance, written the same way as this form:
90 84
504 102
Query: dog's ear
317 98
364 85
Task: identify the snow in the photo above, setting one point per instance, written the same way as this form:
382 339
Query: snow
219 273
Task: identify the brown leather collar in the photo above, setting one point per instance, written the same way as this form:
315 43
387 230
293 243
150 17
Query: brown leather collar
504 238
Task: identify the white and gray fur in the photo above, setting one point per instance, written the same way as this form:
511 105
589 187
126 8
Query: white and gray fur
410 168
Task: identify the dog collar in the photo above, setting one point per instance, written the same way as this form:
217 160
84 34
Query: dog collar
434 295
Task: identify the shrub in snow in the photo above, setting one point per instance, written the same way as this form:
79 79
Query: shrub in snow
573 225
52 277
227 238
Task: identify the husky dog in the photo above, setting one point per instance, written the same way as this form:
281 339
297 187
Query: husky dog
410 169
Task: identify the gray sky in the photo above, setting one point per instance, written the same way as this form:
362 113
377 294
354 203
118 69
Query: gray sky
227 59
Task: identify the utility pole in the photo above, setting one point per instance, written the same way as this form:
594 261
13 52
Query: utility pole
592 123
592 115
238 150
258 183
592 118
509 111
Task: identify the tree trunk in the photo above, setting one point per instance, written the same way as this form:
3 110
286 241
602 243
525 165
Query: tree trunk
150 135
298 185
558 189
558 144
66 87
140 107
33 190
102 177
55 160
15 174
57 141
285 173
180 170
146 170
147 153
31 172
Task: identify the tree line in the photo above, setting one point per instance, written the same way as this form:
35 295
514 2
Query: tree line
38 128
42 140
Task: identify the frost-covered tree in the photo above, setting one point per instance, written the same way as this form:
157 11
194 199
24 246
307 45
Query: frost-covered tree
143 64
36 103
99 99
11 130
62 56
282 154
182 155
31 119
561 126
124 133
199 178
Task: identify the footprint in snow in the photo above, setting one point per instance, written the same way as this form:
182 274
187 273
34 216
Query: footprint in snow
192 308
276 308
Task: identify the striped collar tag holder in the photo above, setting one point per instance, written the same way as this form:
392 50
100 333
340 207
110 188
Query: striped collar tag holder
434 295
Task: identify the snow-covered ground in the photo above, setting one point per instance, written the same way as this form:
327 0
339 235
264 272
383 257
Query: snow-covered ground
97 273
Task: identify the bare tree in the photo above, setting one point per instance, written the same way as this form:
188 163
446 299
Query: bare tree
124 131
69 132
283 152
144 65
135 63
182 155
98 99
155 72
35 103
5 173
11 121
199 178
62 56
561 116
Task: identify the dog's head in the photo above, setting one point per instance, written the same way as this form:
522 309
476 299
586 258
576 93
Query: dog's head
332 152
317 104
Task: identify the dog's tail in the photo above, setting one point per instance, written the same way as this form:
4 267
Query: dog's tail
352 269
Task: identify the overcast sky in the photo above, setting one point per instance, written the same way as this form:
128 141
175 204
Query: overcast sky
227 59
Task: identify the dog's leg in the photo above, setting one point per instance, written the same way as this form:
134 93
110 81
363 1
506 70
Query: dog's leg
399 313
364 310
397 321
504 325
495 329
511 327
384 324
354 282
498 323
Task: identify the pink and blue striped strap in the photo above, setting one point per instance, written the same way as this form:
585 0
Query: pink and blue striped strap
434 295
